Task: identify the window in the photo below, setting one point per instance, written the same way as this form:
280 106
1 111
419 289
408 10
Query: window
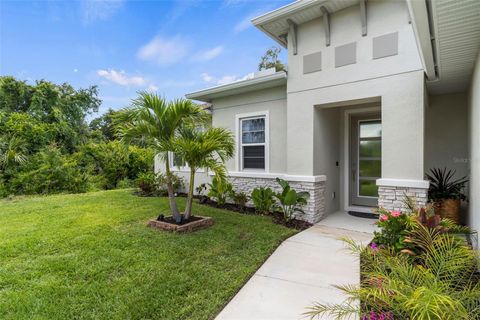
252 143
177 161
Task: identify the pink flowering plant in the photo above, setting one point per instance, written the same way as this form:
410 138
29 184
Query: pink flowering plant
393 225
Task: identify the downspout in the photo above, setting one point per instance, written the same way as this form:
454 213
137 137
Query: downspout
428 4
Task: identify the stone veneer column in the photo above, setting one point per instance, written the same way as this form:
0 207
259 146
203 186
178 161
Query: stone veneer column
315 208
392 193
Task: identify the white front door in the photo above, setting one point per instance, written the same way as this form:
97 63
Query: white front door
365 159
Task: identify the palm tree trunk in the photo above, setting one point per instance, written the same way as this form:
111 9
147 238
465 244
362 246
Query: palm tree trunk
171 193
188 208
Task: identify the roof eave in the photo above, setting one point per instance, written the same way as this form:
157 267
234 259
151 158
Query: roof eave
207 95
421 26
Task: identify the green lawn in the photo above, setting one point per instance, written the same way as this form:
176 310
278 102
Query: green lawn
91 256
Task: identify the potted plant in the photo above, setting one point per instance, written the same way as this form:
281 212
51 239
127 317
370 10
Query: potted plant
446 192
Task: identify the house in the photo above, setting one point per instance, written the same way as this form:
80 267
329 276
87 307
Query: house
376 94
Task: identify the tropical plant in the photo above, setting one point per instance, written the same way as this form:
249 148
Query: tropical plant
147 183
289 200
435 279
156 121
220 190
207 148
443 185
12 152
178 183
200 189
392 228
263 199
239 198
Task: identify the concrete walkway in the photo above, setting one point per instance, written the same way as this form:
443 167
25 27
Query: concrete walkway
301 271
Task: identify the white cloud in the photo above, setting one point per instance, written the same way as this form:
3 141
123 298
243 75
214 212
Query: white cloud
208 54
207 78
224 79
93 10
151 87
164 51
121 77
244 24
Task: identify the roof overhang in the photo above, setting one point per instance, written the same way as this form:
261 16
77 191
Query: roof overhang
448 39
275 23
421 26
258 83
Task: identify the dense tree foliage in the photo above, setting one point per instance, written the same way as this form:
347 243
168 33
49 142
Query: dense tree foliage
47 145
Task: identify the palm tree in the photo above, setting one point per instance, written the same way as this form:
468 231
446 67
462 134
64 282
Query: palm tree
12 151
208 149
156 121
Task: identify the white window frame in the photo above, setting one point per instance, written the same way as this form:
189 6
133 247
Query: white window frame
239 145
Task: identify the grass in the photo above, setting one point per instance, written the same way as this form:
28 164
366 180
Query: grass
91 256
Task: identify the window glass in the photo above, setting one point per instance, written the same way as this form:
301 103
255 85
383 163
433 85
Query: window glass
368 188
253 143
370 168
178 161
371 148
372 129
253 130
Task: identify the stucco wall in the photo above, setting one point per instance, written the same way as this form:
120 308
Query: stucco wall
272 100
446 133
383 17
474 132
402 109
200 177
327 145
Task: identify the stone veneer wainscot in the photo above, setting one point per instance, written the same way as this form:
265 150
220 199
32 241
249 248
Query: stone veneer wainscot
392 197
315 186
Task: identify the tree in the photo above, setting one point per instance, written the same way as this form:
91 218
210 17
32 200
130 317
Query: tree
208 149
270 60
105 125
156 121
61 106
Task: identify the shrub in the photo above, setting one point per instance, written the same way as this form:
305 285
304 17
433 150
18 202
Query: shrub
151 184
239 198
124 184
289 201
177 182
220 190
263 199
49 171
436 278
147 183
114 161
393 227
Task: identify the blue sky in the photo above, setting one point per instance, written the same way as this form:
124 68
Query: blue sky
171 47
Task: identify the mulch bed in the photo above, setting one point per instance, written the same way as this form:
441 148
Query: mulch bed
277 217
